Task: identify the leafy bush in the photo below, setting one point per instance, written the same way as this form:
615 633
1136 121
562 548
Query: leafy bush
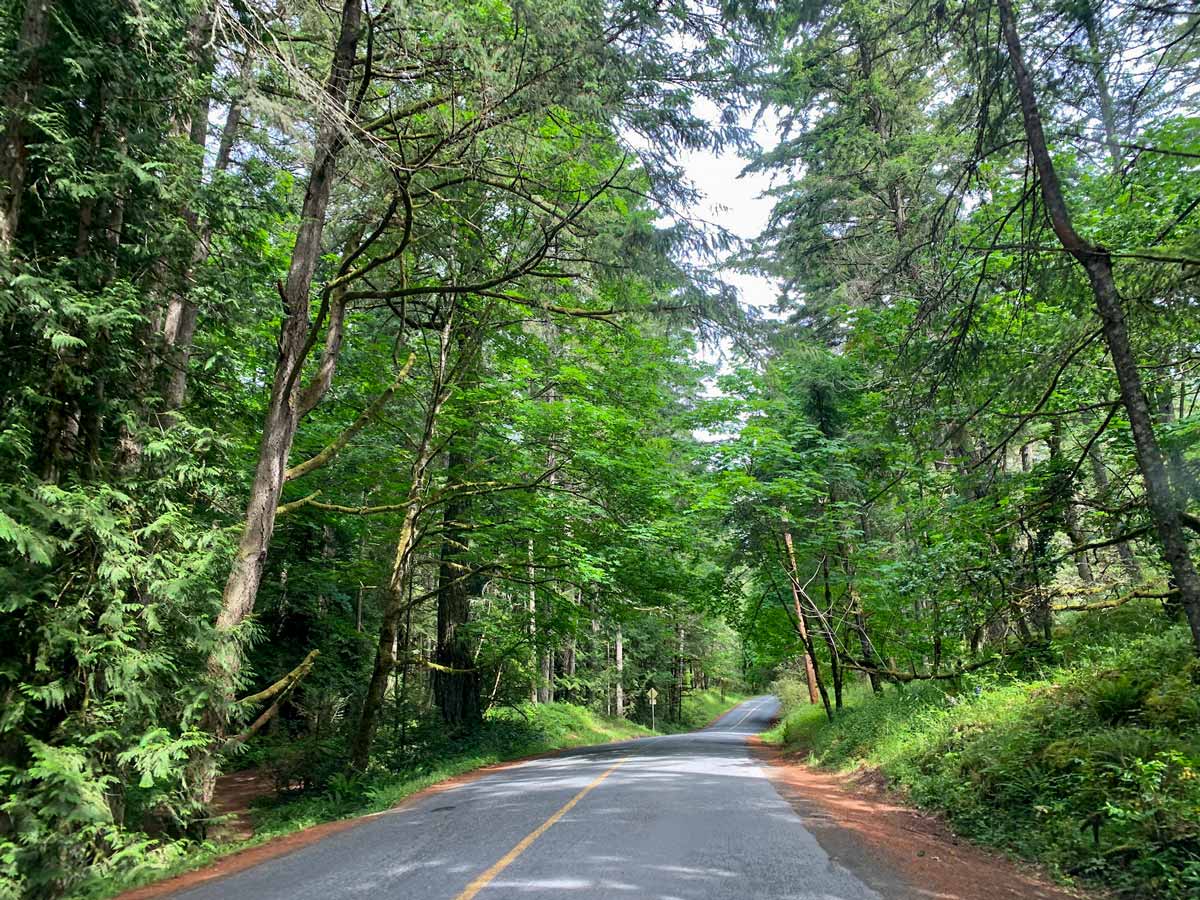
791 691
1093 768
106 592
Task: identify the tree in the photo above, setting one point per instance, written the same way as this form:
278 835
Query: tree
1097 262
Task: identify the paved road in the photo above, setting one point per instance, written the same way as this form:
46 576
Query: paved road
682 817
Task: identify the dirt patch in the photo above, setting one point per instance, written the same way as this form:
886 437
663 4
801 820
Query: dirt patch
231 802
861 824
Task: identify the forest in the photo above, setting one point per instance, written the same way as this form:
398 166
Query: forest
373 402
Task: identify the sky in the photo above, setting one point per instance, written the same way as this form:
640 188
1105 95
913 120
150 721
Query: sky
738 204
735 201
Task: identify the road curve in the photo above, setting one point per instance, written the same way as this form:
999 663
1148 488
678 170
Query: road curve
679 817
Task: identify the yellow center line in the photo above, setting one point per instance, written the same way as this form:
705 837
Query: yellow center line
507 859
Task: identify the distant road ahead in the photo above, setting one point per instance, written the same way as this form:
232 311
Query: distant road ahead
681 817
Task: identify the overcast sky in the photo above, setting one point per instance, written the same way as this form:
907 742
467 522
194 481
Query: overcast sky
736 202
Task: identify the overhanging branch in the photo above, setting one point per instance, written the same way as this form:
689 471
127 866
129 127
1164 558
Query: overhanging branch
331 450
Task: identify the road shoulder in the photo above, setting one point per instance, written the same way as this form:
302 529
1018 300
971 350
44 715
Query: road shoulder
898 851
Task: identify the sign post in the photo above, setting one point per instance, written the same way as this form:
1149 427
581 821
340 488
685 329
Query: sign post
652 696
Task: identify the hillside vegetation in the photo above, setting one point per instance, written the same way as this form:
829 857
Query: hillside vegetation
1087 761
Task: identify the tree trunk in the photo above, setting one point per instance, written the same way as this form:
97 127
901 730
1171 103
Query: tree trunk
679 672
20 96
1070 514
169 375
279 427
1078 538
805 631
864 641
812 653
1097 263
620 663
1108 116
860 615
546 683
827 632
544 653
1124 550
179 323
794 577
402 565
1183 482
456 688
405 643
533 635
385 648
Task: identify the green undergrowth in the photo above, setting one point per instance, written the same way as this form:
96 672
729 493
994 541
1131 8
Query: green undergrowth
430 757
1088 763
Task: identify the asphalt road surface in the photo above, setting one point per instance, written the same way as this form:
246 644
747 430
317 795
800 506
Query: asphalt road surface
681 817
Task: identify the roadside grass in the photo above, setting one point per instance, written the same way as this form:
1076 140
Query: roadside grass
508 734
1088 762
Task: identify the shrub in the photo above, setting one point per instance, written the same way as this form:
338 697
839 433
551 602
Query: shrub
1093 768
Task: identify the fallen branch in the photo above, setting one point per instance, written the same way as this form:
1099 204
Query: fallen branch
279 691
1116 601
